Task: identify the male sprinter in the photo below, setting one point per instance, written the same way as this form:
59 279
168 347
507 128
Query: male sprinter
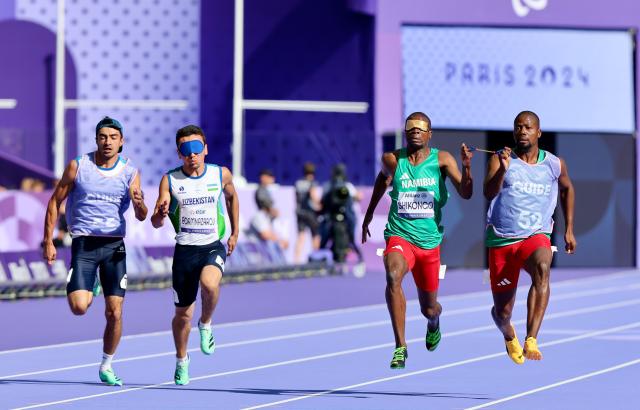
522 186
191 196
99 186
413 232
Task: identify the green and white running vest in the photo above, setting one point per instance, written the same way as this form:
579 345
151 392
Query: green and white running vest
417 198
196 206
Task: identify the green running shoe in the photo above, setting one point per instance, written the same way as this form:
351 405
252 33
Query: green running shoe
207 341
433 338
399 357
181 376
109 378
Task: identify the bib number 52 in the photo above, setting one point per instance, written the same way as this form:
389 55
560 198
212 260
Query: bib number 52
528 220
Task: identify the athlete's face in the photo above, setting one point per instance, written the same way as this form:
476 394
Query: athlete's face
417 137
192 150
109 141
526 132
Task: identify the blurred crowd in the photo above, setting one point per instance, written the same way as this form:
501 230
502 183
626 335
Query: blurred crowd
324 213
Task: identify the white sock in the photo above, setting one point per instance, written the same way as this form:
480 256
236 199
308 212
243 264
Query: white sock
204 325
182 360
106 361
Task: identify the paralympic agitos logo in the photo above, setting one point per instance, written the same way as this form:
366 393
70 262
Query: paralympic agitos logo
523 7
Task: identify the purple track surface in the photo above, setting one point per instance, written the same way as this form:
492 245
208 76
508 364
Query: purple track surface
326 343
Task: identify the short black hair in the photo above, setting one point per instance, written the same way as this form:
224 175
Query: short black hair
109 122
529 113
190 130
419 116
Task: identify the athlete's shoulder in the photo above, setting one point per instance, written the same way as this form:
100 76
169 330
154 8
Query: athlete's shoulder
444 157
390 157
551 156
127 161
173 171
555 163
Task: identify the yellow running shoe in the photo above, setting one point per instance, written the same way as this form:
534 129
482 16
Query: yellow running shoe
531 350
514 350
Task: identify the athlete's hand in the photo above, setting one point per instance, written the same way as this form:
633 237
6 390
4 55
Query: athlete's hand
49 252
163 209
231 244
365 227
465 154
137 198
570 243
504 155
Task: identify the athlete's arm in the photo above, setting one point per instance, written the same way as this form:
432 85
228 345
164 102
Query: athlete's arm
51 218
496 169
233 208
463 183
162 204
567 199
137 198
383 180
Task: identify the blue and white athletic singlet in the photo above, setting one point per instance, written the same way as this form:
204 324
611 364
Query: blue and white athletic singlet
196 206
527 200
99 198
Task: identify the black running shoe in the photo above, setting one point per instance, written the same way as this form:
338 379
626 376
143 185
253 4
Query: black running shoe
433 339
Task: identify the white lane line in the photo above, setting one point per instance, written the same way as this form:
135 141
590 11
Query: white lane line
445 314
442 367
560 383
379 346
341 311
245 342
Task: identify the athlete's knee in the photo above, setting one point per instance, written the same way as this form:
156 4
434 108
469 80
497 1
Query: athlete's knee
78 308
541 277
431 312
502 314
543 267
394 278
210 289
183 314
113 314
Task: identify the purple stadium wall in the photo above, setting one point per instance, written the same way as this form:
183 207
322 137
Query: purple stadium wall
301 50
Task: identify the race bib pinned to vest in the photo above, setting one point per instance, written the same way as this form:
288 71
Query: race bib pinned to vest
416 204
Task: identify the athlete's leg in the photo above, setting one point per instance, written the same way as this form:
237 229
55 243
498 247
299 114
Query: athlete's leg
210 287
505 269
181 326
501 312
82 275
396 268
430 308
538 265
425 274
113 329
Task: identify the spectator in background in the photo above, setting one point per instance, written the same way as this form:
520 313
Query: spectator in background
29 184
307 207
261 226
338 196
263 193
